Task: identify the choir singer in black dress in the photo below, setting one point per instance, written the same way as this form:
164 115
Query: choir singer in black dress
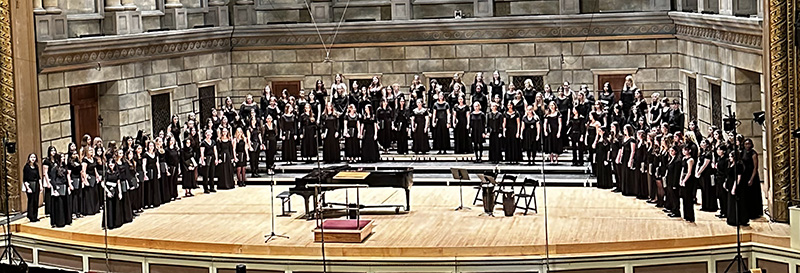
402 119
495 130
512 127
369 136
329 122
477 129
31 184
441 124
531 130
419 129
461 130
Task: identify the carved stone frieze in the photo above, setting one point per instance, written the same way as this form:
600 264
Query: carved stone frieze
726 31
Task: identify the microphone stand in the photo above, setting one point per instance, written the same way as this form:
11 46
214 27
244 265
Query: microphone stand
9 248
106 212
273 235
738 260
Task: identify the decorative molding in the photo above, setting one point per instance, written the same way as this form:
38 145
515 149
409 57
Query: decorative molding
213 82
358 76
712 79
162 90
726 31
535 72
784 113
615 71
8 104
70 54
428 30
442 74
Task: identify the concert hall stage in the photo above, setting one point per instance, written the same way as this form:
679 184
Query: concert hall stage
582 221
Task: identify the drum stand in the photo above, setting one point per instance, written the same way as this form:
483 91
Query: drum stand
272 234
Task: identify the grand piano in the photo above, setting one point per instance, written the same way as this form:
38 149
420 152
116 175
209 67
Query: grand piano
382 178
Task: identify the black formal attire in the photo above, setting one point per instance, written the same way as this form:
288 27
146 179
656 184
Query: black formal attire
352 146
591 134
384 120
603 162
369 144
173 159
627 175
441 134
48 191
496 88
461 132
738 213
274 112
289 132
720 180
308 144
152 189
627 97
513 142
402 121
419 93
375 97
607 99
495 129
330 146
577 130
477 128
76 195
163 182
641 181
480 97
529 95
31 178
751 193
137 194
271 143
209 169
90 197
112 216
61 214
126 177
421 143
189 168
255 144
676 121
673 181
707 186
225 168
552 144
688 190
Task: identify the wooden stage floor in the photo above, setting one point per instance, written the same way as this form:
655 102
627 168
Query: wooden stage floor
581 221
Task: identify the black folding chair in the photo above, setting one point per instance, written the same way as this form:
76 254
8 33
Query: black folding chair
528 197
478 188
507 180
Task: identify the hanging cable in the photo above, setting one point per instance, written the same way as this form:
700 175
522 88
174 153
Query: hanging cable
336 32
314 21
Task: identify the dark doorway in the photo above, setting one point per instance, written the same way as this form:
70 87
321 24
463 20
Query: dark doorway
519 82
716 105
691 89
292 87
85 110
207 94
160 111
616 82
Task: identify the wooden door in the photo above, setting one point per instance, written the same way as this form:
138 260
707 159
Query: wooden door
207 96
616 82
293 87
85 111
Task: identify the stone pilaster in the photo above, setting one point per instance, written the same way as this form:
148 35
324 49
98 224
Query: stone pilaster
114 5
244 14
51 27
130 5
172 4
401 10
217 15
175 18
659 5
322 11
744 7
483 8
38 9
123 22
569 6
725 7
51 6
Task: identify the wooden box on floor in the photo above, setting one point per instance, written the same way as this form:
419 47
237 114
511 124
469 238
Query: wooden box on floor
344 231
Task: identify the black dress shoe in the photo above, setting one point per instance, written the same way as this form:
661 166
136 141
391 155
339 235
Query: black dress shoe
665 210
673 215
721 216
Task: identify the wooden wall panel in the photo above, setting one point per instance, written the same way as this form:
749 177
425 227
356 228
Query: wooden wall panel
163 268
99 265
772 266
61 260
26 253
721 265
700 267
596 270
221 270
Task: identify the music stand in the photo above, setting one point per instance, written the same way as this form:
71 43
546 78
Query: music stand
273 235
460 174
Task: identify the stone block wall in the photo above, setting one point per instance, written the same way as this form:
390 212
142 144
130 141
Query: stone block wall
124 98
575 62
739 74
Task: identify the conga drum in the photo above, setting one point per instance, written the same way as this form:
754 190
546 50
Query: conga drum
488 197
508 202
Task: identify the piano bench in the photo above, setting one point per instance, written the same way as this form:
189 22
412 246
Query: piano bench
286 203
